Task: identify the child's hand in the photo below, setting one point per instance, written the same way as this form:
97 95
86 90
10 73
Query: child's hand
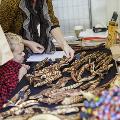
23 71
26 66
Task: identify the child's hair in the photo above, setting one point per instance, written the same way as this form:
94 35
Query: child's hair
14 40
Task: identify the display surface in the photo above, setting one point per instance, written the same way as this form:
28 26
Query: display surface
60 87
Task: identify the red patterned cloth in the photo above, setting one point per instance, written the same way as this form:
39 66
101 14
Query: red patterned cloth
8 80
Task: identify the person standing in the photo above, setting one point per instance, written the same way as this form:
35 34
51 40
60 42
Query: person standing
35 21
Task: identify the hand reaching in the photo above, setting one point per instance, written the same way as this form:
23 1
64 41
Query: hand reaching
69 52
35 47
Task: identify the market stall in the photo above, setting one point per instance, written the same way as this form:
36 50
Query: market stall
61 88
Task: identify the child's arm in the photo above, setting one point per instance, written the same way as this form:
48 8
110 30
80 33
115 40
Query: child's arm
23 71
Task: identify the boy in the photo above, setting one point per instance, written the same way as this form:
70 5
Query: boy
13 71
17 47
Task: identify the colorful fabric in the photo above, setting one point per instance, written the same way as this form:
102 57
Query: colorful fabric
8 80
105 106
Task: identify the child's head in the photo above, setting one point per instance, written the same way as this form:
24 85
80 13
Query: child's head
17 46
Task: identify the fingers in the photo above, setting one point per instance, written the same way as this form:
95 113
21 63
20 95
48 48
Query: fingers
36 47
39 49
67 54
40 46
27 67
71 55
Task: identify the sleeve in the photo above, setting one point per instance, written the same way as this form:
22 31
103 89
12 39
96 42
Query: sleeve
15 66
53 18
9 83
8 10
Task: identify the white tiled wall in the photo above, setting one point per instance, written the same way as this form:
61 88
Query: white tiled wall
102 11
99 15
75 12
113 5
71 13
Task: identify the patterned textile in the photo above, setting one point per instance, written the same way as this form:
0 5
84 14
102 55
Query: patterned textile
38 21
8 80
15 18
12 16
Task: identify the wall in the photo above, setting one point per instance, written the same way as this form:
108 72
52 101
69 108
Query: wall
75 12
102 10
98 12
71 13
